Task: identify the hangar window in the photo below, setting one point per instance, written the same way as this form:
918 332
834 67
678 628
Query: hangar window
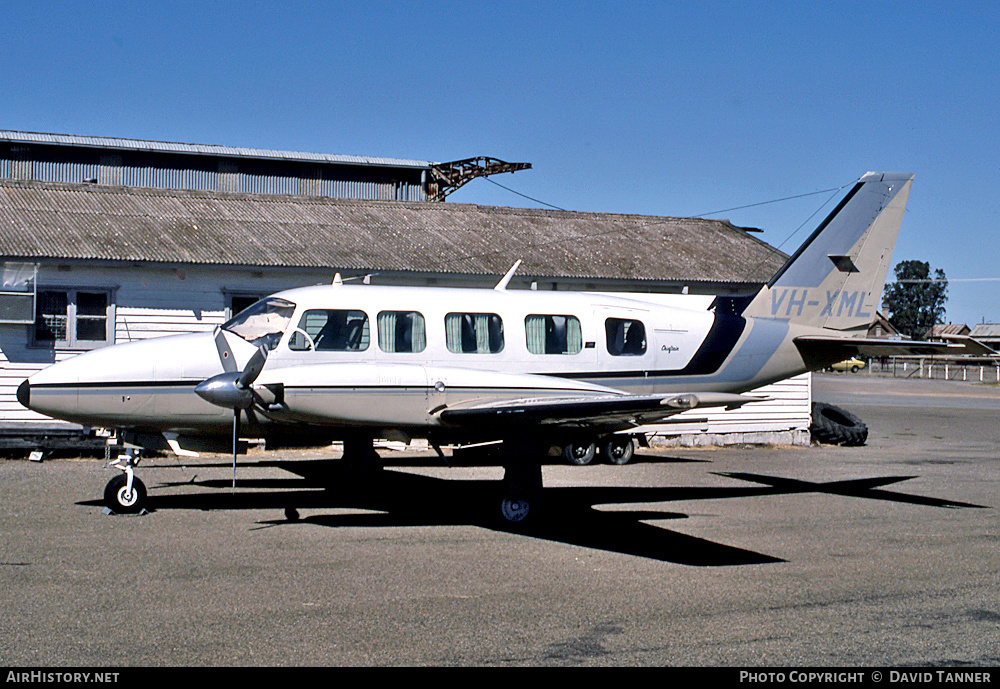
240 301
401 331
473 333
73 318
626 337
331 330
553 334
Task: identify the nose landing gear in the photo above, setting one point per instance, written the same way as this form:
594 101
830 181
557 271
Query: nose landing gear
125 493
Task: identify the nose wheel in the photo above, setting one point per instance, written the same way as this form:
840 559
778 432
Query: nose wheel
125 493
123 498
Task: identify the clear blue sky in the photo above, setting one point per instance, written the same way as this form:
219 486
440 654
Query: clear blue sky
637 107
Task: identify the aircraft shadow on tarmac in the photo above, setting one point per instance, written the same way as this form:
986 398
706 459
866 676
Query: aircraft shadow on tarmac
393 498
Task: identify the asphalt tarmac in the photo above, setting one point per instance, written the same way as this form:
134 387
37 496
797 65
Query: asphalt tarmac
875 556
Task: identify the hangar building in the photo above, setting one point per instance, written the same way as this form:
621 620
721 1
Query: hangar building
110 240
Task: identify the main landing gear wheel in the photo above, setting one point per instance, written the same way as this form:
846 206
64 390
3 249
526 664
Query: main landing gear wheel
618 449
580 453
515 510
119 498
520 497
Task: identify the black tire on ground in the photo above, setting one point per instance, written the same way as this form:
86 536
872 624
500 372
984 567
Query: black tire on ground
580 453
835 426
515 511
617 449
117 500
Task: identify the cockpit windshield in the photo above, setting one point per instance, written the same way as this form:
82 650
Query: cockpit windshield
262 323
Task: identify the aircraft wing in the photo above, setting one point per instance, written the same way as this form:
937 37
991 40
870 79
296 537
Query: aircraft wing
606 412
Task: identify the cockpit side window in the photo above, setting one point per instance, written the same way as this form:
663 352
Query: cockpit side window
262 323
331 330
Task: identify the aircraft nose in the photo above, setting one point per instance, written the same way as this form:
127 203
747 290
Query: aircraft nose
24 394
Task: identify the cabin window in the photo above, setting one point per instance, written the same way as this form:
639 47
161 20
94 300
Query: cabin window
401 331
331 330
553 334
626 337
473 333
73 318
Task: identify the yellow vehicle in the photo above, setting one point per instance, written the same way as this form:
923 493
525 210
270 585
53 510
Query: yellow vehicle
853 365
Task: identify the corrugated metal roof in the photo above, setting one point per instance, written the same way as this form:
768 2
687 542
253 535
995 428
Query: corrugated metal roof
942 329
41 220
985 330
203 149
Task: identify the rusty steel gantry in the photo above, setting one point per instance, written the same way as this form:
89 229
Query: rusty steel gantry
449 177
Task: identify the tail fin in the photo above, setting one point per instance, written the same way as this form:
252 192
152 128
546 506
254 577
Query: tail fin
835 279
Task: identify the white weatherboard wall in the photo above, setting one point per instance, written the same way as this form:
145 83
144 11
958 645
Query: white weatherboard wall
147 302
153 302
783 419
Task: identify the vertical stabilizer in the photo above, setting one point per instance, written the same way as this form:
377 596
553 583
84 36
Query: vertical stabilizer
835 279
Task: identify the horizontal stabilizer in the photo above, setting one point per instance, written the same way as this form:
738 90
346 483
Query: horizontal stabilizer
820 351
970 346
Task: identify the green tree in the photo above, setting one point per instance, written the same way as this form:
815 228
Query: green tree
915 302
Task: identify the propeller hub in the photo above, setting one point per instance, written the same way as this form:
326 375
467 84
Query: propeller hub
224 390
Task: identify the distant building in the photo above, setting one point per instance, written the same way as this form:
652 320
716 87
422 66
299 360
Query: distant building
988 334
881 328
113 162
943 331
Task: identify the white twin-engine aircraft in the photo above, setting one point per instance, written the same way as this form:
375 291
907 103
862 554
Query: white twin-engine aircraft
532 369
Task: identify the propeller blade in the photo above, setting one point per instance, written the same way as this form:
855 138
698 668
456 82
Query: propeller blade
236 438
253 368
225 353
